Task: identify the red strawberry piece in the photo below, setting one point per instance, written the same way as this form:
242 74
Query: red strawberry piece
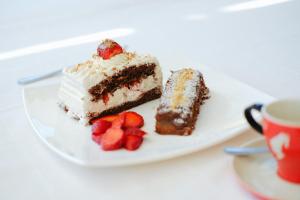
134 131
110 118
109 48
99 127
133 119
112 139
105 98
96 138
119 121
133 142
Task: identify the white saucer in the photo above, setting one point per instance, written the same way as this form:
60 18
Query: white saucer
257 174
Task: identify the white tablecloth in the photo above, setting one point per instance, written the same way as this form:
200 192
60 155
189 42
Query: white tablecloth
256 42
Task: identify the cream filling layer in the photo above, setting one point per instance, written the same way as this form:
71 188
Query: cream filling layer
123 95
77 99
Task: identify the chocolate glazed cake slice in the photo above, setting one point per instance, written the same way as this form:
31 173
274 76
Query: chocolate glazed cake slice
180 103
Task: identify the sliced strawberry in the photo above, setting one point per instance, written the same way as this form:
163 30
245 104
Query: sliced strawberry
133 119
133 142
119 121
109 48
100 126
112 139
110 118
134 131
97 138
105 98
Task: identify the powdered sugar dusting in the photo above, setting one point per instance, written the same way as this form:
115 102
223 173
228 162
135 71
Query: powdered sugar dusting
180 92
178 121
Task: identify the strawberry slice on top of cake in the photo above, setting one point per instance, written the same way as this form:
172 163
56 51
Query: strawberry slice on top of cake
110 82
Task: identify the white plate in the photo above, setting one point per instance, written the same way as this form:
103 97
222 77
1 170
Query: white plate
220 118
257 174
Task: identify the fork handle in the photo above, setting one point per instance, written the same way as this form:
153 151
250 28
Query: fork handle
34 78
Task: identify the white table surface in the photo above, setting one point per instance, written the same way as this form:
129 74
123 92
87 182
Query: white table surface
257 43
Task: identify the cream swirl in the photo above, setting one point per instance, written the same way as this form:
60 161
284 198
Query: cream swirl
114 62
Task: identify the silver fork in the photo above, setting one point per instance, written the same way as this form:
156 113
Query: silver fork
34 78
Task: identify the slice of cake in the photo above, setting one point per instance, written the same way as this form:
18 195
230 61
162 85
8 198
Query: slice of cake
110 82
184 92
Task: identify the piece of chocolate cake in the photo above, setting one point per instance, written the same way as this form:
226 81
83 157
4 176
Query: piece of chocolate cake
180 103
110 82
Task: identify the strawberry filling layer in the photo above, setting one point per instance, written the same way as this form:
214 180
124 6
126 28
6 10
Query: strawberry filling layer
134 83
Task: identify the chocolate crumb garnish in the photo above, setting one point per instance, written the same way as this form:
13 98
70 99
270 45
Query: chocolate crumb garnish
66 109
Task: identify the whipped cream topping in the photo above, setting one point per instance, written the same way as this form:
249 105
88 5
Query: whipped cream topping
97 69
98 64
122 59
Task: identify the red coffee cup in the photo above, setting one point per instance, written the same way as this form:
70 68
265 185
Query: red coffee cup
281 128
